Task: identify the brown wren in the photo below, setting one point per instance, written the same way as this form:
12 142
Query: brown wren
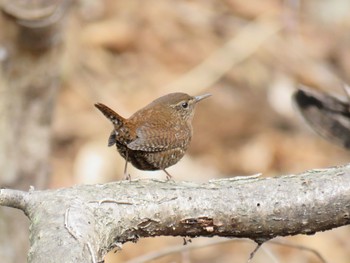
156 136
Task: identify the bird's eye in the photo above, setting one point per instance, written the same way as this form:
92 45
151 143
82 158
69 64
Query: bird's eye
184 105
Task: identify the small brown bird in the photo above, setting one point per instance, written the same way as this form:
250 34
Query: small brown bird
156 136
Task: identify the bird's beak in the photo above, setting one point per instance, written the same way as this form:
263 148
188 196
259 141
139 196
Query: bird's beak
201 97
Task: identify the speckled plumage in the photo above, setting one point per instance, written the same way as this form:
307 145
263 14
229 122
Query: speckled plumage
156 136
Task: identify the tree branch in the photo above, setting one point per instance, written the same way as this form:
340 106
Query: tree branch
31 38
13 198
29 81
82 223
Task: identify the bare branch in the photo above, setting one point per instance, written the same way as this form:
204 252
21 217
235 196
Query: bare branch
210 242
13 198
101 216
308 249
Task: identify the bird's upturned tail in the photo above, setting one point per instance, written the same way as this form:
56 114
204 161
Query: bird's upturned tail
110 114
115 118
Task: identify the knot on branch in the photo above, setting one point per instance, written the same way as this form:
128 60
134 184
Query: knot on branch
206 223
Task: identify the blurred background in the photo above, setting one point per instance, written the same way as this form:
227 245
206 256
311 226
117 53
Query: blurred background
250 55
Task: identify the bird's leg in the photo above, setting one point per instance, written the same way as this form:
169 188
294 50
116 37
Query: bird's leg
126 175
168 176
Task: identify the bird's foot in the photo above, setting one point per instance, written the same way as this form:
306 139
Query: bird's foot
127 177
168 176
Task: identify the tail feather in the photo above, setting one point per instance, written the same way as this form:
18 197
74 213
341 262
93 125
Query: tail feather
110 114
112 138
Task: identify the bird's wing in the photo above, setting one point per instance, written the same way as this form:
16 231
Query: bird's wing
327 115
154 139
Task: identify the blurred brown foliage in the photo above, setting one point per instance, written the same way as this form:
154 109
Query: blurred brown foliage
127 53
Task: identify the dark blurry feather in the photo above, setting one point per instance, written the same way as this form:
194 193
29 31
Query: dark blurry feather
327 115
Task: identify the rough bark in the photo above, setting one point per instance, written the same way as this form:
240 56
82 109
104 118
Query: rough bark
82 223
